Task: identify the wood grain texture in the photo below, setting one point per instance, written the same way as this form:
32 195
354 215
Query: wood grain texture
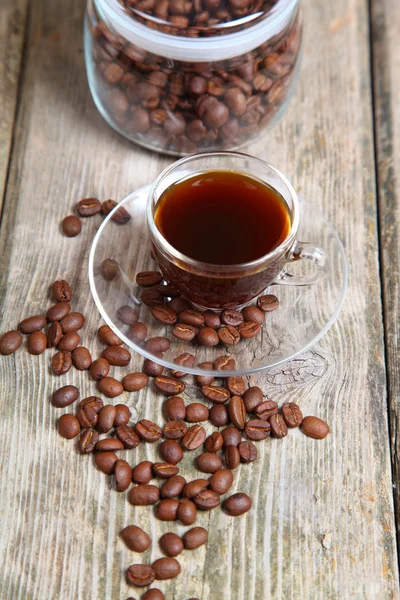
386 62
13 16
322 525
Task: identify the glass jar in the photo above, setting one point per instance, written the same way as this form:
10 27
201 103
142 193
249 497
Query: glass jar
185 76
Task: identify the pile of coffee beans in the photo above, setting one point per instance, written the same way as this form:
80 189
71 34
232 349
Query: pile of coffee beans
187 107
88 207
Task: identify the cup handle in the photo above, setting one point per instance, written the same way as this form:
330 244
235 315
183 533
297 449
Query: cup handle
305 251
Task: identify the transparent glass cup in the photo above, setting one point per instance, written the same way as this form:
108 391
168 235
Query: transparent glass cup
216 287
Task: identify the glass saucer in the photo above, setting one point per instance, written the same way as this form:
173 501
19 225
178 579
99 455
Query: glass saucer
304 314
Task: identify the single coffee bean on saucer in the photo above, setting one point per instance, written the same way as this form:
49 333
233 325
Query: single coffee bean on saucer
224 363
164 315
205 379
157 344
148 278
152 369
268 303
184 332
152 297
191 317
211 319
184 360
231 317
121 216
248 330
128 315
137 332
208 337
109 269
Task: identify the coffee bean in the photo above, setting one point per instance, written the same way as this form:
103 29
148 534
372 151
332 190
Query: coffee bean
32 324
208 462
174 408
191 317
253 314
10 342
266 409
211 319
148 431
221 481
71 226
193 488
128 436
121 216
109 445
235 101
152 297
87 441
314 427
137 332
292 414
87 416
61 291
143 472
183 360
122 416
237 412
219 415
107 206
224 363
169 386
174 430
268 303
65 396
194 538
68 426
232 457
69 341
148 278
107 336
140 575
105 462
109 269
172 487
194 437
164 314
87 207
167 290
72 322
184 332
207 500
106 418
231 317
238 504
249 330
187 512
61 363
93 401
144 495
205 379
135 382
171 452
178 304
123 475
229 335
171 544
135 538
81 358
153 594
58 311
128 315
157 344
167 509
256 429
196 412
248 452
117 356
236 385
37 343
152 368
252 398
216 394
231 436
99 369
214 442
166 568
208 337
165 470
54 335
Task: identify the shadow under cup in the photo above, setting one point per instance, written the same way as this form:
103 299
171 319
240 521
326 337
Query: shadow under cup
217 287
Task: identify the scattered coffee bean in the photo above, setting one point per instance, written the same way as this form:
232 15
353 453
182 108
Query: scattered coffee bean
221 481
248 452
172 487
278 426
135 382
58 311
208 337
237 412
135 538
144 495
211 319
143 472
257 429
123 475
65 396
266 409
167 509
238 504
187 512
252 397
137 332
231 436
72 322
191 317
171 544
196 412
164 314
109 445
253 314
10 342
122 416
216 394
169 386
214 442
61 291
68 426
121 216
153 594
174 408
106 418
224 363
117 356
205 379
54 335
107 206
128 436
184 332
165 470
167 290
219 415
171 451
249 330
292 414
61 363
174 430
87 416
166 568
183 360
231 317
152 297
152 368
71 226
107 336
194 437
315 428
207 500
81 358
193 488
148 278
128 315
99 369
148 431
157 344
37 343
236 385
87 207
268 303
69 341
140 575
93 401
32 324
232 457
194 538
178 304
88 441
208 462
109 269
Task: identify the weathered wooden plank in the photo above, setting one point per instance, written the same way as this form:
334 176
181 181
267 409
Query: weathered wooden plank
386 63
322 525
13 15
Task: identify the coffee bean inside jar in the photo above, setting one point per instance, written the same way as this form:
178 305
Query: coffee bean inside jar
183 94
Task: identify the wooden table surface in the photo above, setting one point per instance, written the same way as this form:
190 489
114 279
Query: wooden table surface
323 524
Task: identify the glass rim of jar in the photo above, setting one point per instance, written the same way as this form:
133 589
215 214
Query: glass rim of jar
205 49
211 268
